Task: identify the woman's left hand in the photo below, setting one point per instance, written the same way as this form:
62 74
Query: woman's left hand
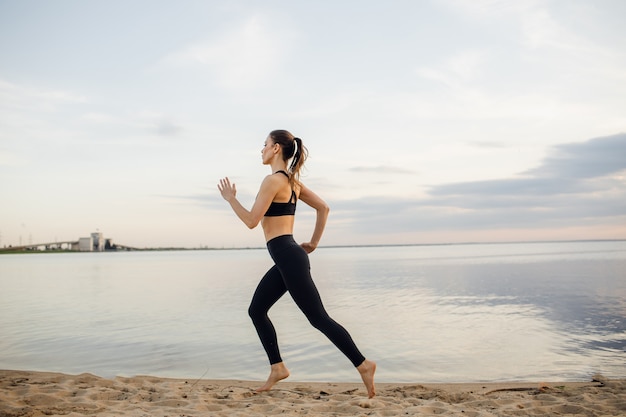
308 247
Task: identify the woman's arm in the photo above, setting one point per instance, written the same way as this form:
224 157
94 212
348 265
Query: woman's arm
252 217
322 210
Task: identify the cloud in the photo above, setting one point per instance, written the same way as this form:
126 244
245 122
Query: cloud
482 9
594 158
486 144
576 184
160 124
569 169
24 97
144 122
541 30
238 59
460 67
168 129
211 200
382 169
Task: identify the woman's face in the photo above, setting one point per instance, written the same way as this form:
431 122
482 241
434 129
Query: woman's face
268 150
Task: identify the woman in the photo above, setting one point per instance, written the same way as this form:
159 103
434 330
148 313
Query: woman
274 208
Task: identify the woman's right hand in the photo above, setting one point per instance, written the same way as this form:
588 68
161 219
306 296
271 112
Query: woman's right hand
228 190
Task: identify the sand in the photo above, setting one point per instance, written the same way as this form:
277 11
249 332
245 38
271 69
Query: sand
24 393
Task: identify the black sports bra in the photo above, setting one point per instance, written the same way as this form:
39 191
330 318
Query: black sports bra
283 209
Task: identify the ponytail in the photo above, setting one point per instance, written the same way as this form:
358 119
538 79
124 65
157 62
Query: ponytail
299 157
292 149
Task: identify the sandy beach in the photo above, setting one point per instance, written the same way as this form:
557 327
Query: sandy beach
24 393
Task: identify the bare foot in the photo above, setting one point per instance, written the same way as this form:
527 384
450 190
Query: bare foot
367 370
279 372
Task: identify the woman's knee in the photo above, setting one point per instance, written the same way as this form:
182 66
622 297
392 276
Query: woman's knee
320 320
255 312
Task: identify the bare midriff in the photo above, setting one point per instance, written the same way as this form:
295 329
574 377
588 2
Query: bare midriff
277 226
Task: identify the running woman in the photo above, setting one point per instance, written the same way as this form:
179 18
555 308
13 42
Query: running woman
275 208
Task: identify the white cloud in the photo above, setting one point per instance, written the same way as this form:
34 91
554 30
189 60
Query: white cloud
139 127
20 96
241 58
488 9
383 170
463 66
99 118
541 30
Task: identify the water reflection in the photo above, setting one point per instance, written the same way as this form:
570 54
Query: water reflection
428 314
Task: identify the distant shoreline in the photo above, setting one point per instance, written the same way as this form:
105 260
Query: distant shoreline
21 250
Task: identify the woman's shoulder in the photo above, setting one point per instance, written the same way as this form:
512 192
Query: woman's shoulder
275 177
273 181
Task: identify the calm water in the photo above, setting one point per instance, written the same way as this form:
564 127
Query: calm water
452 313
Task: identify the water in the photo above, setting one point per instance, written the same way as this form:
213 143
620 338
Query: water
450 313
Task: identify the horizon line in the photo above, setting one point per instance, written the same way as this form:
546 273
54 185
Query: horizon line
374 245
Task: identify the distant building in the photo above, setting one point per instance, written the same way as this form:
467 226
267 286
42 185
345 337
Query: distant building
85 244
98 241
94 243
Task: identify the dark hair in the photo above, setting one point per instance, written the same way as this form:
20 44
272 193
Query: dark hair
292 148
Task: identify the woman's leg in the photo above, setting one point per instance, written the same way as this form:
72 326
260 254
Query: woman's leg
295 270
293 263
269 290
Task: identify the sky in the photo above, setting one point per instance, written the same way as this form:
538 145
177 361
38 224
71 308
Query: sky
426 121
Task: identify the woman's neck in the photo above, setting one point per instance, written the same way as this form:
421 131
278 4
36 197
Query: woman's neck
278 166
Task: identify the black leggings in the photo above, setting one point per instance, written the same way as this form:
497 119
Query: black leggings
291 272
